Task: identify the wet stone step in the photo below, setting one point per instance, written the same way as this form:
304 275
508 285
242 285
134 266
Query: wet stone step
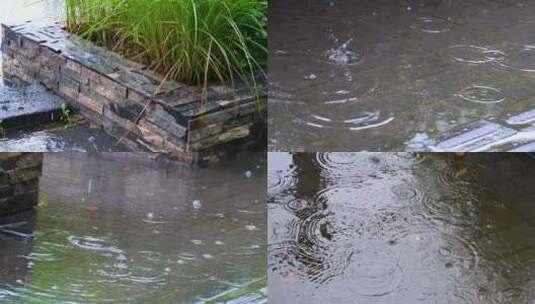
22 104
476 137
522 118
529 147
21 231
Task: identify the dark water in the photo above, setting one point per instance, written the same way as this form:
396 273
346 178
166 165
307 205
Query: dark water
393 75
115 228
401 228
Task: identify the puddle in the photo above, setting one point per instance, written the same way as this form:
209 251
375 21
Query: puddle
122 227
401 228
375 75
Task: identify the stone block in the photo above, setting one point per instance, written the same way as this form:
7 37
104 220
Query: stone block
125 124
127 109
92 102
19 181
159 116
69 88
228 136
108 88
29 49
72 70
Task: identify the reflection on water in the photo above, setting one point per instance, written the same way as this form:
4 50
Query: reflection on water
38 11
384 75
119 228
401 228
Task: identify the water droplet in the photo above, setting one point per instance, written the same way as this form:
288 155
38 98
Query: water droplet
197 204
250 227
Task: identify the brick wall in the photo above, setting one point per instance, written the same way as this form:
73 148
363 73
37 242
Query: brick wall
130 102
19 181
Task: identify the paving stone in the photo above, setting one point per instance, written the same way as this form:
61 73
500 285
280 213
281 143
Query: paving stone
27 106
474 137
522 118
528 147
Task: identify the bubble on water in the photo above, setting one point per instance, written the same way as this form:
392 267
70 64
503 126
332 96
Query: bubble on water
482 94
250 227
207 256
248 174
196 242
197 204
150 215
311 77
219 243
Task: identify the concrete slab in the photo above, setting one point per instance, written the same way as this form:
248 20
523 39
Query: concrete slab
23 105
474 137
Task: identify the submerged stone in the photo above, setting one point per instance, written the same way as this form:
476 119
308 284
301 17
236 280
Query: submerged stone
522 118
475 137
19 183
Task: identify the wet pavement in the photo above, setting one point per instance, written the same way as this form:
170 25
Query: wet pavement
28 110
401 75
401 228
123 227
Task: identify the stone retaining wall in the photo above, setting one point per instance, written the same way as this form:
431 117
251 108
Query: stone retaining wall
19 181
132 103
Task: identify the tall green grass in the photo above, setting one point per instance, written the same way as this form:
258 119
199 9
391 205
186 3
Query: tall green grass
194 41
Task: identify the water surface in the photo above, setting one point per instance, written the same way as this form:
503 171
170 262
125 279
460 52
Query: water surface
127 228
397 75
401 228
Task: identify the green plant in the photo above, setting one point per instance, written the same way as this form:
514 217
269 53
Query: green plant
195 41
66 115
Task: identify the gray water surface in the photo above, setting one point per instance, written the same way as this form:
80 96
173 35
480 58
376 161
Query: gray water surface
398 75
401 228
123 228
